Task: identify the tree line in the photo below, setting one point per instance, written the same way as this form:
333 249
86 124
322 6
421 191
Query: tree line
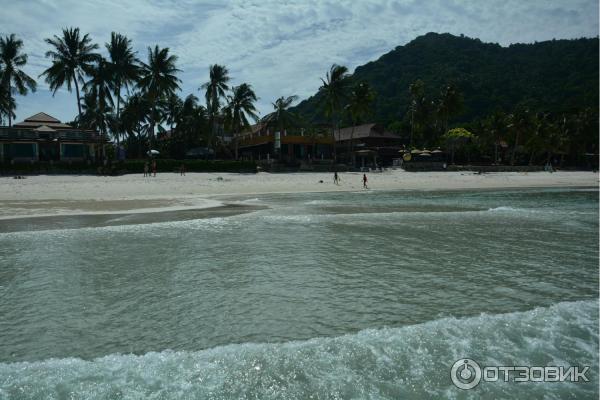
136 102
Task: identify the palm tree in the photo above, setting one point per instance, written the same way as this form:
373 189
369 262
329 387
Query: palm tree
124 67
193 120
11 61
215 90
134 118
334 92
521 125
173 108
449 104
282 117
417 105
239 108
7 104
497 126
100 88
158 80
358 106
72 58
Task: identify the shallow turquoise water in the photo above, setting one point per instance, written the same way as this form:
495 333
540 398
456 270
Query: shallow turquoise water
345 295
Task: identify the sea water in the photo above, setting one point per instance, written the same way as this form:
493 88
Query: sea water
343 295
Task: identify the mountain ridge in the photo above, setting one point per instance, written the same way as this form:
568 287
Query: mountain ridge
559 75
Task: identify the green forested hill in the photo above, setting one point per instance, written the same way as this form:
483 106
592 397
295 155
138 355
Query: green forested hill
551 76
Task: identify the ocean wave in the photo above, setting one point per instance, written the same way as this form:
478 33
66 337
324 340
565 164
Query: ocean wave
406 362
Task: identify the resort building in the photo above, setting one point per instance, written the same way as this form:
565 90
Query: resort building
369 139
42 137
261 142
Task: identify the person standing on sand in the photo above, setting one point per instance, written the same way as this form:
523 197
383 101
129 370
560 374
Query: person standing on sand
336 178
182 170
146 169
154 167
365 181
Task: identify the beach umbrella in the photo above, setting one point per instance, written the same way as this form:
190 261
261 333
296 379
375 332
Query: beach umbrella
153 152
428 154
425 151
437 151
415 151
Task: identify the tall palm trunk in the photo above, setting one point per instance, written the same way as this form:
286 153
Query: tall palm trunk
118 133
412 127
236 138
351 144
152 125
334 141
9 103
512 156
78 98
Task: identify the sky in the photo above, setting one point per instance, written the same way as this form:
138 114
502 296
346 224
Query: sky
280 47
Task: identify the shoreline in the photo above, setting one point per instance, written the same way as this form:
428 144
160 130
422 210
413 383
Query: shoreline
60 196
78 221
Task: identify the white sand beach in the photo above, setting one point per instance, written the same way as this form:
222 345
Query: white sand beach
66 194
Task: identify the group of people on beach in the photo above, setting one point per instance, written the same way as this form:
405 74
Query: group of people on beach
147 171
147 168
336 179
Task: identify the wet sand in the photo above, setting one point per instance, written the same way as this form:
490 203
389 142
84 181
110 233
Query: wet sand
99 220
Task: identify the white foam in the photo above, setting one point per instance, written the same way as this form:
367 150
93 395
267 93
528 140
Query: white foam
412 361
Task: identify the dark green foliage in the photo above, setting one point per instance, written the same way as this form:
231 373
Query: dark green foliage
558 76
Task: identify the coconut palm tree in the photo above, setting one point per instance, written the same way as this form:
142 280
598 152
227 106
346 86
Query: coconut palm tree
193 121
158 80
173 108
239 108
215 89
358 107
282 117
521 125
134 119
100 88
73 58
334 88
449 104
13 77
417 106
124 67
7 103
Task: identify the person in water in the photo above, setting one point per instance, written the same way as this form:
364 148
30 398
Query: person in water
365 181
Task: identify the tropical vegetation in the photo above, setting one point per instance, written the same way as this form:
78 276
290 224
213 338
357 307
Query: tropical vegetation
481 102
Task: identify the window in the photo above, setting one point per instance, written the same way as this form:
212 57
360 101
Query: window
72 150
23 150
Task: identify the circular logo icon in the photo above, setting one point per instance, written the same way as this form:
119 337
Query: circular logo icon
465 374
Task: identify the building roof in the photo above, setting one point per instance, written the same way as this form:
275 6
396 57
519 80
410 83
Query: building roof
364 131
42 119
45 128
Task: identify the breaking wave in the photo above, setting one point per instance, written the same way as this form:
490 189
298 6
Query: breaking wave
389 363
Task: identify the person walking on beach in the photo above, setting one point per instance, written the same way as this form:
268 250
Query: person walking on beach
182 170
336 178
154 167
146 172
365 181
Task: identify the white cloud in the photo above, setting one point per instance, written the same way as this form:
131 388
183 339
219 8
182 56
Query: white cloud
281 48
